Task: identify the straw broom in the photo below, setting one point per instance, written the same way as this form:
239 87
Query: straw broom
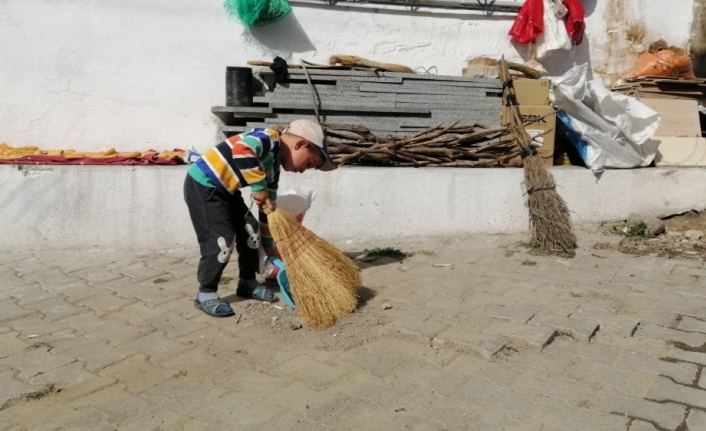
324 281
550 221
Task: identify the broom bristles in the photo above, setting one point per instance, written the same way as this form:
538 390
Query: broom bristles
323 280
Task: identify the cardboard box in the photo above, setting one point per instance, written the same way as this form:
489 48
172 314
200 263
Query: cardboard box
546 151
680 117
680 151
532 91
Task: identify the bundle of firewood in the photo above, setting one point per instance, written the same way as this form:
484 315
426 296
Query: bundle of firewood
454 145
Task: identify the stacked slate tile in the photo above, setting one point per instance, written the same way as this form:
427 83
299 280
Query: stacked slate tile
387 103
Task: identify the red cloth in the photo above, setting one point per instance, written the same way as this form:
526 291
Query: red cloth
529 23
575 24
148 159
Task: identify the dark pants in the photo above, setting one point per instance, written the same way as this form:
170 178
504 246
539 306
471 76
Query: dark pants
219 222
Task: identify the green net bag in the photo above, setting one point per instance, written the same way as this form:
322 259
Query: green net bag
256 13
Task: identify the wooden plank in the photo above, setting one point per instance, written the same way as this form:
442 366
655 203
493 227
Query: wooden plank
679 117
681 151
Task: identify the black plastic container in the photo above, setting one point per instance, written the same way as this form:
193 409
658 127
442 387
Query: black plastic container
239 86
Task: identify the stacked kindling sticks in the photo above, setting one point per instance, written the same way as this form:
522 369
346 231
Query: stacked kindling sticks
454 145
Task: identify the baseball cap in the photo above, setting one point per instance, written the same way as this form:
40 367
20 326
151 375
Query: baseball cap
312 132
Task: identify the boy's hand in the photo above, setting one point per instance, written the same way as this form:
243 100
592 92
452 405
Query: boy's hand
271 250
262 198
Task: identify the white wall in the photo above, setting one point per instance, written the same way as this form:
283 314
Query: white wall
121 207
138 74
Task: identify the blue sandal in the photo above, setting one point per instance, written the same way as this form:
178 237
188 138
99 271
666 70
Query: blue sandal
215 307
261 293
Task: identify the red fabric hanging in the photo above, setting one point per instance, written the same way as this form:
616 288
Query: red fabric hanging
529 23
575 24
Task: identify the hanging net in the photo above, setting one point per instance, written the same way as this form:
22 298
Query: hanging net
255 13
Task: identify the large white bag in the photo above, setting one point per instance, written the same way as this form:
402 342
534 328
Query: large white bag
610 130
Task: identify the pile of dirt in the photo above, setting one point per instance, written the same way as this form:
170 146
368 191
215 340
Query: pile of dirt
684 238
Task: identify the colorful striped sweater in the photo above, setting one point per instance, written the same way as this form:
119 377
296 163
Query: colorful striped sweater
250 159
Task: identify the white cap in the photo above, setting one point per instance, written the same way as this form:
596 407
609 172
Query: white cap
312 132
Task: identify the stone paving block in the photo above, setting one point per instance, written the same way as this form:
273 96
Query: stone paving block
174 325
688 270
444 303
50 278
588 298
10 344
10 280
428 354
377 364
487 346
27 294
698 290
653 284
681 372
65 377
674 353
500 374
440 382
138 313
535 336
315 374
605 354
626 324
140 272
97 275
565 417
137 374
536 304
663 389
688 323
129 411
327 405
691 339
13 388
97 354
577 394
424 330
360 414
667 415
56 308
517 315
581 330
631 383
76 290
84 389
293 422
642 426
169 283
157 345
115 332
29 266
520 405
448 411
127 288
104 303
205 367
9 311
237 408
34 326
188 394
34 361
672 278
696 420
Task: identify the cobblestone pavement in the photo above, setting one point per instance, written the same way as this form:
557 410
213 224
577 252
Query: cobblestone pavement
502 340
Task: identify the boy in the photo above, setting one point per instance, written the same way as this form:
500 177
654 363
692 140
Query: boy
219 214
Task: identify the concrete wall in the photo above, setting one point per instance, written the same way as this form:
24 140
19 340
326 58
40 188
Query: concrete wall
138 74
117 207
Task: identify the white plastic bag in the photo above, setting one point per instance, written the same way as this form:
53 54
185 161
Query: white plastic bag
610 130
554 36
295 203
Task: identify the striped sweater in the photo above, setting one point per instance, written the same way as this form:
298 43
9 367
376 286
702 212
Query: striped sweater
250 159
